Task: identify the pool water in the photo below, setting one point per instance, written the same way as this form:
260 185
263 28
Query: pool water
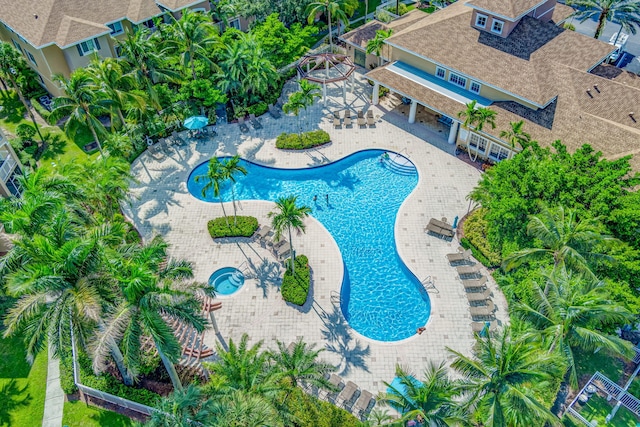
227 280
380 298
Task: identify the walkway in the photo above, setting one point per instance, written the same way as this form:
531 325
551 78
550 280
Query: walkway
54 399
160 203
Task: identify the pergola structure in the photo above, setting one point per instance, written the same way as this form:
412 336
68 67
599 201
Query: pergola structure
325 68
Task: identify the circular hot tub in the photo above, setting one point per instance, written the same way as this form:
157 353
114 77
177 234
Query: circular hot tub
227 280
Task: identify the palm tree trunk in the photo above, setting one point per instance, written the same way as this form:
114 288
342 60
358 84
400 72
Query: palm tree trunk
233 198
366 10
602 20
26 106
224 213
116 354
175 380
293 254
120 116
95 137
330 35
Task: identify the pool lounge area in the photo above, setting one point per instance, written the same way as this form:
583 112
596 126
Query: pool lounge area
161 203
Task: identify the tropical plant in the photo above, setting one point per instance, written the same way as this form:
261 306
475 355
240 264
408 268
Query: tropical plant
432 399
215 177
240 409
504 378
10 61
183 408
154 291
140 49
82 105
289 216
330 8
576 244
113 83
376 44
300 364
624 11
222 10
515 136
192 36
570 313
230 168
475 118
62 286
302 99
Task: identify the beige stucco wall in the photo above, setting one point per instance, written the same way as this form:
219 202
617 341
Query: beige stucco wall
76 61
462 144
507 26
371 60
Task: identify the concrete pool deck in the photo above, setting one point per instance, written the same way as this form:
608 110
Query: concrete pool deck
161 204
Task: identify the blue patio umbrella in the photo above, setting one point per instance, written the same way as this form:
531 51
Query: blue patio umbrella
196 122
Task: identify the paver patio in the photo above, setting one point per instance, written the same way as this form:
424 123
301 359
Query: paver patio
161 204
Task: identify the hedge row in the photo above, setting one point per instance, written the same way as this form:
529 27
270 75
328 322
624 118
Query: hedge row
295 289
294 141
245 226
310 411
475 231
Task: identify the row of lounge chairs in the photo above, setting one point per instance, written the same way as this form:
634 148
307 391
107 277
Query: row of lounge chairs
440 228
255 122
481 307
361 120
348 397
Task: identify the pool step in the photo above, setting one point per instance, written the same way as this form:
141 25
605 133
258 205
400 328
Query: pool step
235 278
399 164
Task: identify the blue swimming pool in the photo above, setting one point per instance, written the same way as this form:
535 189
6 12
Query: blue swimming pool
380 298
227 280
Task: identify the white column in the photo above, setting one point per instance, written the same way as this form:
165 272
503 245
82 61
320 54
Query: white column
324 94
376 93
344 92
453 132
412 111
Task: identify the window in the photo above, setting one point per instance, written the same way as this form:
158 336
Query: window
18 47
440 72
498 152
477 143
118 51
474 87
235 24
497 26
88 47
457 80
149 24
31 58
116 28
481 20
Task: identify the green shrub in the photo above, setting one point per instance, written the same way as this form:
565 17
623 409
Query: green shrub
44 113
25 132
312 412
569 26
295 289
258 109
475 231
245 227
294 141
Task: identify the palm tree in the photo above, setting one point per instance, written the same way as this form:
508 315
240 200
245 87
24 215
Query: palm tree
240 409
289 216
193 36
223 10
570 242
183 408
569 313
376 44
230 168
503 379
215 177
81 104
476 118
11 60
243 369
516 136
625 11
329 8
63 286
302 99
154 292
432 399
300 364
140 49
113 83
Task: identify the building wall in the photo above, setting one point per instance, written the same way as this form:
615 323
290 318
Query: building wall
75 60
507 26
491 147
371 60
544 11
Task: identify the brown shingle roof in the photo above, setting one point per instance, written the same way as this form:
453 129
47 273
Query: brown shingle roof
66 22
507 8
360 36
561 12
515 64
601 120
178 4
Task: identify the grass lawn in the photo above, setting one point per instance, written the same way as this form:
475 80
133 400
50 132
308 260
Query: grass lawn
61 149
22 387
588 363
597 408
77 414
